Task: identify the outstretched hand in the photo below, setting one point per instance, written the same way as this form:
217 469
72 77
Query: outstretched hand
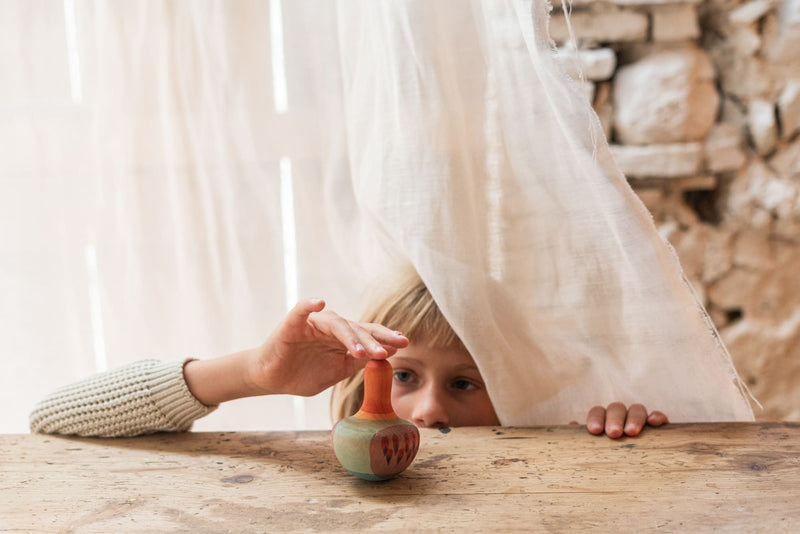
311 350
616 420
308 351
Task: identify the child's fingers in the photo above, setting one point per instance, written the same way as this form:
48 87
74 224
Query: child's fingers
373 348
386 337
297 316
636 419
329 324
615 419
358 342
657 419
596 420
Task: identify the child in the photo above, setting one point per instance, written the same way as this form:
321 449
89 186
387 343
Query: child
436 382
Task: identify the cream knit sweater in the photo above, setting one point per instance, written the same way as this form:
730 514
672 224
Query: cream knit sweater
141 398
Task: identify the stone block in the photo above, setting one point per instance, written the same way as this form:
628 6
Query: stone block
744 76
768 361
765 189
734 290
690 183
659 161
752 250
718 255
762 126
723 149
597 64
733 113
690 245
778 293
651 197
604 26
789 206
743 196
789 109
674 22
718 317
782 33
745 40
788 230
751 12
703 182
666 97
760 219
759 188
676 208
786 161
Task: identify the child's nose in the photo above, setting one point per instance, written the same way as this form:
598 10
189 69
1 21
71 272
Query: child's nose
430 410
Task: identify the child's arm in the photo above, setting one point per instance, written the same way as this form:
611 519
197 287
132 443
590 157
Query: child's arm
140 398
307 352
617 420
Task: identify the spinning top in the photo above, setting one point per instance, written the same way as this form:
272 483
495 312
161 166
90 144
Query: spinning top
375 444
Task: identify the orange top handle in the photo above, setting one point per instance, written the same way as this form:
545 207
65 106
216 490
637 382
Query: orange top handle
377 403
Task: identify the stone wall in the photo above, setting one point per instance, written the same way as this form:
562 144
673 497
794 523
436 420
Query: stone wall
701 103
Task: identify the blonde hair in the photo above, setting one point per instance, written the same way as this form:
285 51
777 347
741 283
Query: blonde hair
410 309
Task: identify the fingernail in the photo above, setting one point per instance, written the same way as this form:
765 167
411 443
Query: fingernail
359 347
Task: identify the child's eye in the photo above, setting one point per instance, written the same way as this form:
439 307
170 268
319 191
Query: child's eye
403 376
464 385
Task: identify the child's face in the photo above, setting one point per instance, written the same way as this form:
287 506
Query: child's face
436 388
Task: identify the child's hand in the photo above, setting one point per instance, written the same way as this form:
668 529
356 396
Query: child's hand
616 420
307 352
312 349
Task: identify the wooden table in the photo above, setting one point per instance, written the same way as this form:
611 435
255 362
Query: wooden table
686 478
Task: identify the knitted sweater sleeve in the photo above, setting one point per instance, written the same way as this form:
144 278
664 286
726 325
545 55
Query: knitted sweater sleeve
141 398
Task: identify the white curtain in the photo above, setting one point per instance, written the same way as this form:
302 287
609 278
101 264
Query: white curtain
483 165
143 149
174 173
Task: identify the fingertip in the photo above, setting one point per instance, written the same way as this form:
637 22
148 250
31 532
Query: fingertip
307 306
379 353
402 341
316 304
393 338
632 430
657 419
594 428
614 432
358 350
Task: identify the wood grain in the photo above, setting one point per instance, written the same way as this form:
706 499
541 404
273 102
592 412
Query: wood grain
682 478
